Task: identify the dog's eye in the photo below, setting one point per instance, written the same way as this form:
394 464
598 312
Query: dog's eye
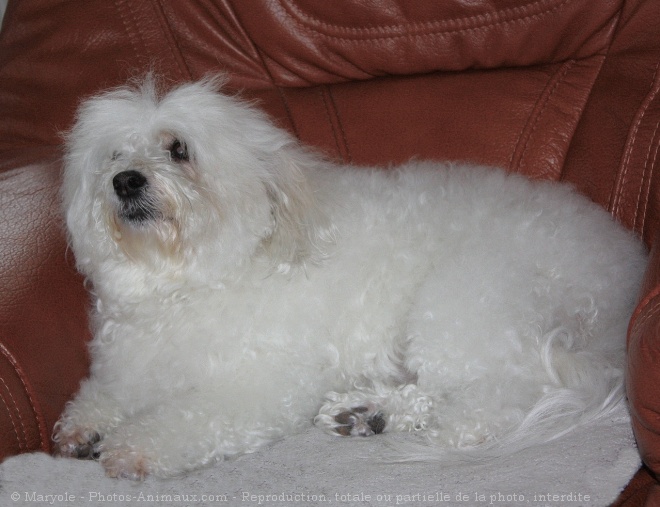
178 151
115 155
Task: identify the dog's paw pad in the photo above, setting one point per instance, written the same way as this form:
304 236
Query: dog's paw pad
359 421
80 445
89 450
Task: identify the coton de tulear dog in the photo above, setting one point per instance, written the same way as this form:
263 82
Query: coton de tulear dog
245 287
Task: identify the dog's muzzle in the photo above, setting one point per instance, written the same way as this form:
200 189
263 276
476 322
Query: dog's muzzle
131 188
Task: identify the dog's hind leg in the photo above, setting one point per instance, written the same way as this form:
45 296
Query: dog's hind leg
375 409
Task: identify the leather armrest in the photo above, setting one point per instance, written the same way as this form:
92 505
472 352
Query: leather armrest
643 369
43 319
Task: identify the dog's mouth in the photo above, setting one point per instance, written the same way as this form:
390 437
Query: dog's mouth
137 213
132 190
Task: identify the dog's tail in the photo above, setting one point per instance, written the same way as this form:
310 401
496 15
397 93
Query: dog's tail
587 389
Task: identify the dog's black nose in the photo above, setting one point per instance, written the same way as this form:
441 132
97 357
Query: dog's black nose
129 184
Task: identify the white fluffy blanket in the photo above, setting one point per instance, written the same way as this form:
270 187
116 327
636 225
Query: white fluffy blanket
586 468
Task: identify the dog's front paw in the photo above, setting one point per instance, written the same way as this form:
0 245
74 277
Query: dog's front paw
77 443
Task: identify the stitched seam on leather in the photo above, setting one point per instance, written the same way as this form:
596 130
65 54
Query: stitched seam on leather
255 48
22 442
132 34
337 128
438 27
646 179
13 362
344 139
547 93
264 64
173 44
280 90
287 108
622 179
651 312
601 61
329 117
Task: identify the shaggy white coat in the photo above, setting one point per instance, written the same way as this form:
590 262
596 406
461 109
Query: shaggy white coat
259 286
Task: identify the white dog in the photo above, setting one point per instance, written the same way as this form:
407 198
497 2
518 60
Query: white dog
242 286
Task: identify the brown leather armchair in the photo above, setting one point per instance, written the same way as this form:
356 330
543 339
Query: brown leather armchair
555 89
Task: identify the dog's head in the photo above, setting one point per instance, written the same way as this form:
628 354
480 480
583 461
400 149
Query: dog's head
188 183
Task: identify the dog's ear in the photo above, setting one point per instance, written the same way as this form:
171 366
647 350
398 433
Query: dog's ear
301 231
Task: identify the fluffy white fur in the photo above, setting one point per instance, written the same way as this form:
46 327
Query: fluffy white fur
244 287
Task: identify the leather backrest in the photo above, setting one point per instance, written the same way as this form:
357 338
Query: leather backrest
306 42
